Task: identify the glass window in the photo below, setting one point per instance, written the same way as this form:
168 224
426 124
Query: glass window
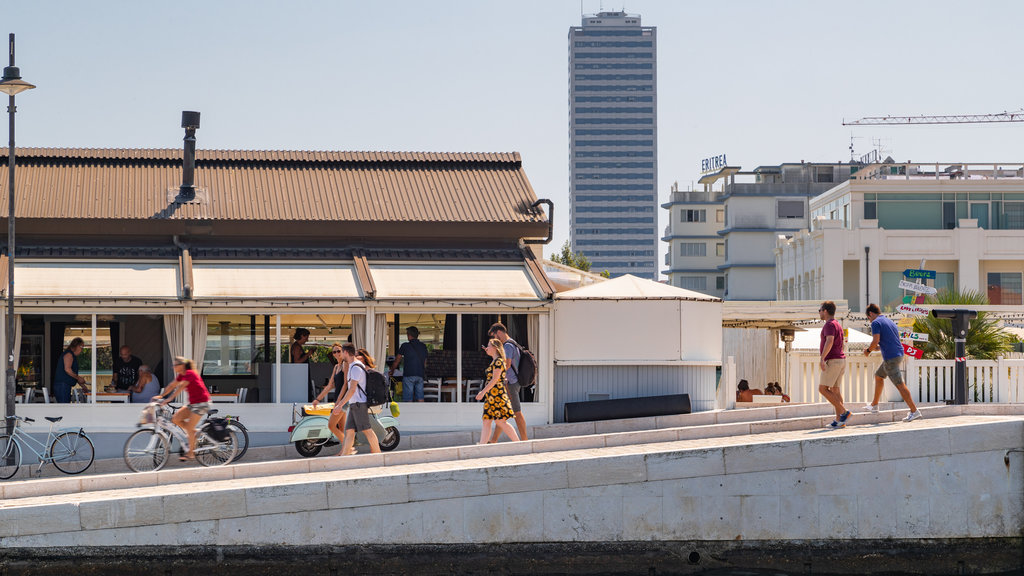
693 249
719 216
720 283
693 215
693 282
869 211
790 209
945 281
892 294
1004 288
235 343
720 249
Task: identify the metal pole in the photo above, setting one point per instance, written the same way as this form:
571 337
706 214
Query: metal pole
960 326
10 383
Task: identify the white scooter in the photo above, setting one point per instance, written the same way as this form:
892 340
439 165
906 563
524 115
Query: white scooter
309 430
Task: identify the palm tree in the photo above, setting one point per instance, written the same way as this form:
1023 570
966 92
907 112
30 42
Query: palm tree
985 339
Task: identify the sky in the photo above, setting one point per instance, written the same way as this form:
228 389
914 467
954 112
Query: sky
760 81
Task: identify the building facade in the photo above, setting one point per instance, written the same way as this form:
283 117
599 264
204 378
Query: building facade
759 206
613 143
964 222
696 252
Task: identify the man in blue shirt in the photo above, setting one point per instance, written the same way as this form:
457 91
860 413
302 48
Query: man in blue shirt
512 356
413 355
886 337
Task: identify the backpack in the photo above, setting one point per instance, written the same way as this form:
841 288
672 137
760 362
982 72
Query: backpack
526 372
376 391
217 428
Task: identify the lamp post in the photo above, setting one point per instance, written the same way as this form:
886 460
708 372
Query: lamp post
11 84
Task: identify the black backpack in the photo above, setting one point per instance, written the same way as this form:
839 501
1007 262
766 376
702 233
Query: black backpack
526 372
376 391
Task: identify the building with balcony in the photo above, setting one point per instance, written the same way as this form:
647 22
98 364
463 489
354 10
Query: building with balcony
965 222
695 250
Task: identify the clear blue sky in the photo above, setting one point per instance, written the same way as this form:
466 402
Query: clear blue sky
763 82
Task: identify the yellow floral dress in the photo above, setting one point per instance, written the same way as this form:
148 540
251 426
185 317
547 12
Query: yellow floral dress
497 406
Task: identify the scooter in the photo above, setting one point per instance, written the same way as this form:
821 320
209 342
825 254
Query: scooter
309 430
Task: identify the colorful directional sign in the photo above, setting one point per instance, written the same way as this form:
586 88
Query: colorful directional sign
913 299
911 351
915 287
908 335
919 274
905 322
912 310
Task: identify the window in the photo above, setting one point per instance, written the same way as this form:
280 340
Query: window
1004 288
693 249
790 208
719 216
693 283
823 174
870 211
720 283
720 249
693 215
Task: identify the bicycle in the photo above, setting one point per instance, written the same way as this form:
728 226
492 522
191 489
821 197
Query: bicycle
241 432
70 450
148 449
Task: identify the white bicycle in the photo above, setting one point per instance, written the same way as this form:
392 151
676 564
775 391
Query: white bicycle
148 449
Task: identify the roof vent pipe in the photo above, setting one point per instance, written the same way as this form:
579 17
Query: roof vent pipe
190 122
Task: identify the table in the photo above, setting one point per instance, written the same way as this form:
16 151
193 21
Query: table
224 398
123 397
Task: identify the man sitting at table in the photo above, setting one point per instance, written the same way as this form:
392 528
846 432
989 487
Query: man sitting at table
147 386
126 370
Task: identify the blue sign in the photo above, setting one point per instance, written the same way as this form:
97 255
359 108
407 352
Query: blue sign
929 274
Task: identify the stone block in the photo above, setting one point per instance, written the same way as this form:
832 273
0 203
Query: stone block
947 476
746 415
524 516
204 505
760 518
910 475
948 514
443 522
374 491
448 484
438 440
685 464
682 420
528 478
765 427
579 518
940 411
347 526
186 475
837 516
797 482
762 456
798 517
420 456
262 469
354 462
642 518
720 517
235 531
876 515
494 450
484 518
121 512
646 436
194 533
625 425
291 529
42 519
803 410
912 515
405 523
987 436
604 471
680 515
41 487
829 450
113 482
284 498
564 430
794 424
912 442
569 443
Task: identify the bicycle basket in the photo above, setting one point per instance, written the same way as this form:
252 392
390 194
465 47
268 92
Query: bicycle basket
148 415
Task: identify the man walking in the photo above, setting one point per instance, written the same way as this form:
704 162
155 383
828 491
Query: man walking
512 355
413 356
833 363
886 337
358 410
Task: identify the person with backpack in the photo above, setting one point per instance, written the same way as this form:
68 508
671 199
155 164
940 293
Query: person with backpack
513 354
497 408
355 394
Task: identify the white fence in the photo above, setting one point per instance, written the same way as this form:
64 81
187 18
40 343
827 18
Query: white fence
999 380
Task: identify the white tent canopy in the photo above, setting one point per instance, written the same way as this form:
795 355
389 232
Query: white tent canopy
810 339
630 287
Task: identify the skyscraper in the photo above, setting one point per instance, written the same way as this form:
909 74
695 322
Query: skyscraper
613 143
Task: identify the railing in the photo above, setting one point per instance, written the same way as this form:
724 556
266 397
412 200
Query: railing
999 380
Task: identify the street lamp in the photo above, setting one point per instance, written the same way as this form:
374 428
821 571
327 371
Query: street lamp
11 84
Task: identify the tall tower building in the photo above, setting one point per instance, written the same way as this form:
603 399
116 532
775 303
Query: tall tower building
613 143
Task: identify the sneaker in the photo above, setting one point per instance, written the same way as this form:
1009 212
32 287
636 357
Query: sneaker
835 425
844 418
913 416
871 409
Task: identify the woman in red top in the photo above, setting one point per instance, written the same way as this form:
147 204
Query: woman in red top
187 417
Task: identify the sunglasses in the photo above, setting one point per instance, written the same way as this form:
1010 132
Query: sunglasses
335 351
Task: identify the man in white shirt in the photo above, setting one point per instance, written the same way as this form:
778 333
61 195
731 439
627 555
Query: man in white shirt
358 410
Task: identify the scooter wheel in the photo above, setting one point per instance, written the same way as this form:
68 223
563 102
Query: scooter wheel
390 440
308 448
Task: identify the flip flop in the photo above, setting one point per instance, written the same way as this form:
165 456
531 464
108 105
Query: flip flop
185 458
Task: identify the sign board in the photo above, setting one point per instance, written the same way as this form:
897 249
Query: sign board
912 310
913 299
908 335
915 287
905 322
911 351
713 164
919 274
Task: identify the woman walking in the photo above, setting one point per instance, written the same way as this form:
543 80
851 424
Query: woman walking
497 406
188 416
336 421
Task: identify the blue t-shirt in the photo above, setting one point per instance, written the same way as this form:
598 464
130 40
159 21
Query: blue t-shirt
512 355
889 337
414 358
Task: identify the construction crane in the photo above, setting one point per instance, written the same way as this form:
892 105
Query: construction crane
1017 116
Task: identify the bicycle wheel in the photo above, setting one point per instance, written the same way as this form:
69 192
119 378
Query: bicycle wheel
242 435
72 452
146 450
10 457
209 452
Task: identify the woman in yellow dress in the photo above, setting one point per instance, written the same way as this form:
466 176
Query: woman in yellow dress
497 406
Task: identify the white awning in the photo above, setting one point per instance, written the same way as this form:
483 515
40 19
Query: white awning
274 280
113 280
453 282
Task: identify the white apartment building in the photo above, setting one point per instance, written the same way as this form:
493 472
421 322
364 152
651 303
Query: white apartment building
965 221
696 251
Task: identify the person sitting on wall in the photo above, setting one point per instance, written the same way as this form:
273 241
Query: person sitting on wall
298 354
745 394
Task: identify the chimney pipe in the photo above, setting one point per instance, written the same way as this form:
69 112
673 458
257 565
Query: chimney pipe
190 122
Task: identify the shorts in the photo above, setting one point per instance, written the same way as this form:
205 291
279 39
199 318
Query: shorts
833 374
513 395
891 368
412 388
358 417
199 408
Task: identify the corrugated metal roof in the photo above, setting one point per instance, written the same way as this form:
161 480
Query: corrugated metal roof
255 185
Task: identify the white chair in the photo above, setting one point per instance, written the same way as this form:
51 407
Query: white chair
42 391
472 388
432 389
242 392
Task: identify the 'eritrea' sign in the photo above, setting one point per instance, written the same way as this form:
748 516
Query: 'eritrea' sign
712 164
922 274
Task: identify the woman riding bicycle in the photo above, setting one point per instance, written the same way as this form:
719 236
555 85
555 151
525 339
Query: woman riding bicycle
187 417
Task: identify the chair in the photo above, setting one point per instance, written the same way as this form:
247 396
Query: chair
242 393
432 389
42 391
472 388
